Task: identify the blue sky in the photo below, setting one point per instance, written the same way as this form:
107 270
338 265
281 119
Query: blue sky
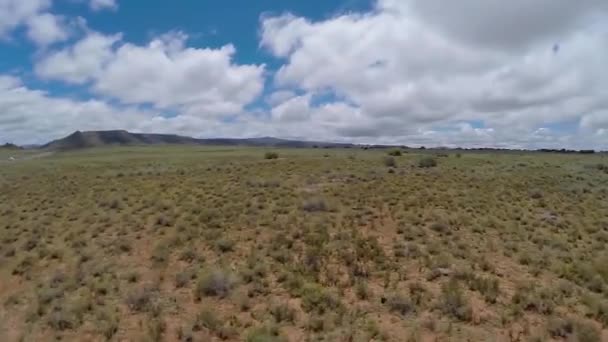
371 71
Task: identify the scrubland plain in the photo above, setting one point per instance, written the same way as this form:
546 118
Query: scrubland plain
244 244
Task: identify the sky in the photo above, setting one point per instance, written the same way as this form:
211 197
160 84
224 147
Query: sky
469 73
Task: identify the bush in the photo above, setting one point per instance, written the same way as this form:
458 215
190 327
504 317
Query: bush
161 253
395 153
206 319
400 304
362 290
283 313
427 162
559 328
265 334
587 332
271 155
390 162
317 299
216 283
315 205
527 298
183 278
453 303
140 299
225 245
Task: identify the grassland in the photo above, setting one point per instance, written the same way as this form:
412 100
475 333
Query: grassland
210 244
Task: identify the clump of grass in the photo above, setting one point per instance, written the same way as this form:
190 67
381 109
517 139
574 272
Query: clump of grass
62 320
183 278
160 253
454 303
271 155
488 287
215 283
536 194
586 332
528 298
282 312
207 319
389 162
395 153
188 255
559 327
140 299
362 290
400 304
315 205
427 162
265 334
317 299
225 245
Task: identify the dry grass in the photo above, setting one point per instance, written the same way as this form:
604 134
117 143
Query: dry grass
199 244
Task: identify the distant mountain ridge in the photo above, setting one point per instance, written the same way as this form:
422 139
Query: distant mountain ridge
90 139
9 146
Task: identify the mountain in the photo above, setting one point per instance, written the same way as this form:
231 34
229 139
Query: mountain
81 140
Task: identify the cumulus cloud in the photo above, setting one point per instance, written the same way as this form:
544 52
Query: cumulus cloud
165 73
418 72
98 5
45 29
14 13
80 63
410 66
42 28
501 24
33 116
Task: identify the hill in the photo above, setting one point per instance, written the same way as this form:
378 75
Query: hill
80 140
9 146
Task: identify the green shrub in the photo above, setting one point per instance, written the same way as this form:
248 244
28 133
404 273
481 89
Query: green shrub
315 205
362 290
395 153
319 300
283 313
427 162
390 162
225 245
400 304
559 327
586 332
271 155
528 298
206 319
453 302
215 283
183 278
140 299
160 253
265 334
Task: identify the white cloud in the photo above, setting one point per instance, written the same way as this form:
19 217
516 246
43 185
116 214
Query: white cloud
165 73
34 116
98 5
14 13
279 97
41 27
80 63
502 24
45 29
409 66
